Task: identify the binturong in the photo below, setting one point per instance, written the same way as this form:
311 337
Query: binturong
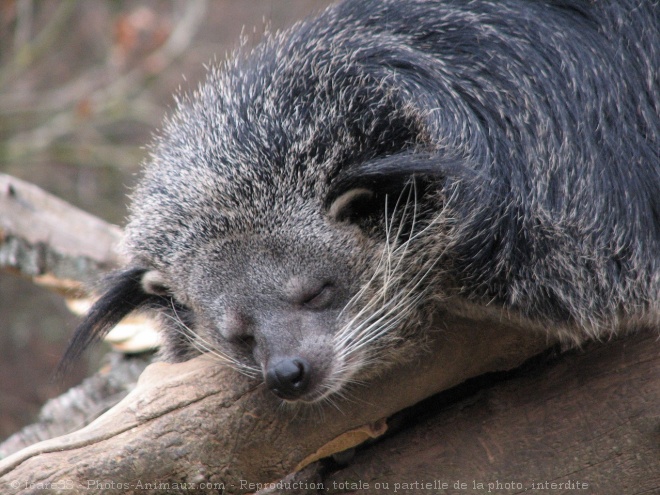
307 210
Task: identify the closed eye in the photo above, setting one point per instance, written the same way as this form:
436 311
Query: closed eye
320 298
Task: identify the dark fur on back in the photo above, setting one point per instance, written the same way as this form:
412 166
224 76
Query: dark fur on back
528 133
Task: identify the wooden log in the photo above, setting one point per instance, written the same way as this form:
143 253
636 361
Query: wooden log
66 250
199 422
587 423
83 403
52 242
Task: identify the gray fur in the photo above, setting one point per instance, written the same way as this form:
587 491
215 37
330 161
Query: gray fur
321 195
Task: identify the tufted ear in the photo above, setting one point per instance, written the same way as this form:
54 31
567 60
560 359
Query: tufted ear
352 204
359 191
127 291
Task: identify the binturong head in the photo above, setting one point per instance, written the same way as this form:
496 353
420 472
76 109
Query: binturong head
310 299
280 220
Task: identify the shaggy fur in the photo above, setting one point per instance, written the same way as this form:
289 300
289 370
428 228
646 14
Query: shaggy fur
318 197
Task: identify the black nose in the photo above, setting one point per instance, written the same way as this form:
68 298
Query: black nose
288 378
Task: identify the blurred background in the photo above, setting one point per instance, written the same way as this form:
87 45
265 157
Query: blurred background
83 86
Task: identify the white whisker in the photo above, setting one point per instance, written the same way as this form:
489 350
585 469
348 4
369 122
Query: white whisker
206 347
387 301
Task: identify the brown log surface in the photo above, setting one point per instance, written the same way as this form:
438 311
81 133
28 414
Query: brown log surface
200 422
587 423
81 404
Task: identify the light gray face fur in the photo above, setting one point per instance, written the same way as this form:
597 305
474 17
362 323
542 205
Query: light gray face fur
259 298
312 285
308 208
310 288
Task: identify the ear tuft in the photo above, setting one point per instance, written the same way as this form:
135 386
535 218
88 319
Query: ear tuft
389 175
362 185
124 295
154 283
352 204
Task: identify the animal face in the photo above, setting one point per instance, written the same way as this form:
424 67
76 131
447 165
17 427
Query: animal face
268 304
304 305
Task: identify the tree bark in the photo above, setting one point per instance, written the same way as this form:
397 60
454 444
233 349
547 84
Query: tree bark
52 242
587 423
200 422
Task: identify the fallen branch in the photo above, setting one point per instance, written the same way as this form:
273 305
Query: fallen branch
52 242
